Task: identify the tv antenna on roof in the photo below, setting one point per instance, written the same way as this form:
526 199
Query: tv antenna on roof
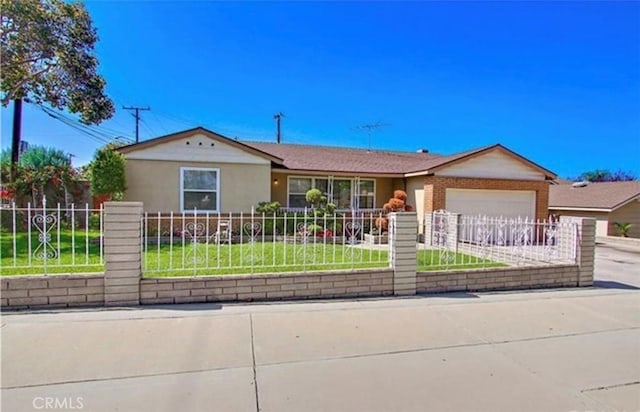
370 128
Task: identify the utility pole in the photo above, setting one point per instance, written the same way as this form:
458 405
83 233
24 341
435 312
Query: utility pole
278 116
137 117
16 136
369 128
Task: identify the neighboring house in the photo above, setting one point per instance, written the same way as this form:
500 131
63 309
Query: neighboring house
607 202
201 169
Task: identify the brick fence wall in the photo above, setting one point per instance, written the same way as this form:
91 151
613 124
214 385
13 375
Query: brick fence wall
497 279
22 292
267 287
122 284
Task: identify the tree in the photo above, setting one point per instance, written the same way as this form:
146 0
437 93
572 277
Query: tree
42 171
107 173
603 175
318 201
39 156
47 57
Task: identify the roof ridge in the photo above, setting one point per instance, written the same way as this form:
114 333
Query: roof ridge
359 149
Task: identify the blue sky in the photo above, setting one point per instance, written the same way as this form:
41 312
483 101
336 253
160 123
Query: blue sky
557 82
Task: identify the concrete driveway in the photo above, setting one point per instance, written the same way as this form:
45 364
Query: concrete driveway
568 350
618 264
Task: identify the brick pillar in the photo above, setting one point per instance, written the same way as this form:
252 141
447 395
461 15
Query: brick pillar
402 242
586 247
122 253
586 250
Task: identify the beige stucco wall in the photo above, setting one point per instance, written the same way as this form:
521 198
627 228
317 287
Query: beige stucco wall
598 216
279 190
156 183
384 190
629 213
415 196
493 165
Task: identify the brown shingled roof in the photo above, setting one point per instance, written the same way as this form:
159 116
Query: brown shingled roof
339 160
346 160
606 195
362 161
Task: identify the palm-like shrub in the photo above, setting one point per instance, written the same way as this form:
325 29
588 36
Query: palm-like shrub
623 228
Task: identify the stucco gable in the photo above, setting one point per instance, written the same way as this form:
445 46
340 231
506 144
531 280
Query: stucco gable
493 164
196 146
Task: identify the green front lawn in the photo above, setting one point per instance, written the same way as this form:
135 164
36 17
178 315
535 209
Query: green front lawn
261 257
60 259
177 260
431 259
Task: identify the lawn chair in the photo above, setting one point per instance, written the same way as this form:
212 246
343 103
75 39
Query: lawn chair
223 232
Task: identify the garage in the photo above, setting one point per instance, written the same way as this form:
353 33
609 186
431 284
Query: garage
506 203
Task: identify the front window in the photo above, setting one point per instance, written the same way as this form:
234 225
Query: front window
366 194
199 189
344 193
298 188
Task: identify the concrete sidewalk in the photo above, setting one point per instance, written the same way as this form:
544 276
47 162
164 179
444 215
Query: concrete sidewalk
539 351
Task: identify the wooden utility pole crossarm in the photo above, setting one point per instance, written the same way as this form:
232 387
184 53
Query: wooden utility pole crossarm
137 117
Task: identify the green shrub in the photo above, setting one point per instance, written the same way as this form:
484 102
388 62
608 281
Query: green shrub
268 208
94 221
623 228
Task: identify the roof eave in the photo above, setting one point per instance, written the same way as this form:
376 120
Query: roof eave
581 209
316 172
420 173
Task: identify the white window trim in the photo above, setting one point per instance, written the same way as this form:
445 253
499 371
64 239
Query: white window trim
354 186
217 191
375 192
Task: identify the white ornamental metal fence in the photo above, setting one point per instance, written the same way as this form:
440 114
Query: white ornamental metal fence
452 240
197 243
50 239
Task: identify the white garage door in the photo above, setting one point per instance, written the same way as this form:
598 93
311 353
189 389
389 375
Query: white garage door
506 203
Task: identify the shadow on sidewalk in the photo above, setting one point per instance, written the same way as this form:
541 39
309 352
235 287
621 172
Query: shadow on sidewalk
610 284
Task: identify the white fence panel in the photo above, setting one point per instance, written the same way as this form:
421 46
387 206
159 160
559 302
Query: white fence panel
452 240
51 239
195 243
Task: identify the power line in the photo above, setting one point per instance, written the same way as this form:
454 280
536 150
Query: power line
148 127
94 132
97 136
164 129
188 122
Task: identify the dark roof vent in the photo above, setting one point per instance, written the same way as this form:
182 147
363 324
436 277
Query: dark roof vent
422 151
